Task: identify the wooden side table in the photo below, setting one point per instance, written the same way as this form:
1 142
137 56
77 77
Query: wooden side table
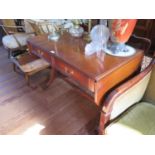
93 76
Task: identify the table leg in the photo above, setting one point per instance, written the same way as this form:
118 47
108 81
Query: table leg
52 77
52 74
14 67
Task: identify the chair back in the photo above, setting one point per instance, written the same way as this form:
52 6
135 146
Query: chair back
144 44
42 27
9 26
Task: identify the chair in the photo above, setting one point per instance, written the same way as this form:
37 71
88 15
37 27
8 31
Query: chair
14 40
130 108
144 44
29 64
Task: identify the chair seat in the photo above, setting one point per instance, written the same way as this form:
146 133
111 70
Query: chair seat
10 42
140 119
35 65
30 63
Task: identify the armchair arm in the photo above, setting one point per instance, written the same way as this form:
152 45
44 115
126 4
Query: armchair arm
126 95
145 43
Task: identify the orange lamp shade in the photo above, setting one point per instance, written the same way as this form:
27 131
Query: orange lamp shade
121 29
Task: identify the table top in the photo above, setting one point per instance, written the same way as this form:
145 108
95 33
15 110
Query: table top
71 50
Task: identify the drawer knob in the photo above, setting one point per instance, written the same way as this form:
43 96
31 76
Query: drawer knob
72 72
69 71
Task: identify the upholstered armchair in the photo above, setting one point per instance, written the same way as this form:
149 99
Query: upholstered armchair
15 40
130 108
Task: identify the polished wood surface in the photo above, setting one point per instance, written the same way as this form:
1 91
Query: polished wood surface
71 50
98 73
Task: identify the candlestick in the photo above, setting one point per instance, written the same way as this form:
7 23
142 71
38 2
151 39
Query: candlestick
87 35
89 25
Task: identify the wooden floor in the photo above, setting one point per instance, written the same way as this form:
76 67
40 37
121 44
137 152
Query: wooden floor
57 110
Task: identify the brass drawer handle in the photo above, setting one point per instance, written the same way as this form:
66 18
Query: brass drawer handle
71 72
66 69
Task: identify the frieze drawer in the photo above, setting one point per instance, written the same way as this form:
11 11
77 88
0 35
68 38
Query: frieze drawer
75 74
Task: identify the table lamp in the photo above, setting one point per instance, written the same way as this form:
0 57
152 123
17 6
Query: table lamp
120 32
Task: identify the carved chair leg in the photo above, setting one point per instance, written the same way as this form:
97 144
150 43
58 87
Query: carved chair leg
9 53
52 77
52 73
27 78
14 67
101 130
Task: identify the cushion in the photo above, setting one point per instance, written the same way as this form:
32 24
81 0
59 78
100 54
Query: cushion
29 63
140 119
35 65
10 42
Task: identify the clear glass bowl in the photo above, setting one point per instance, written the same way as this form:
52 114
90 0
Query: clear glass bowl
54 36
76 31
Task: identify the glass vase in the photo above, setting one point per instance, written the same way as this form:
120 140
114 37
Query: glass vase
76 31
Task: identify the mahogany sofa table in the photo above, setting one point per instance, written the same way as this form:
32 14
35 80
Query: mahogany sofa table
93 75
